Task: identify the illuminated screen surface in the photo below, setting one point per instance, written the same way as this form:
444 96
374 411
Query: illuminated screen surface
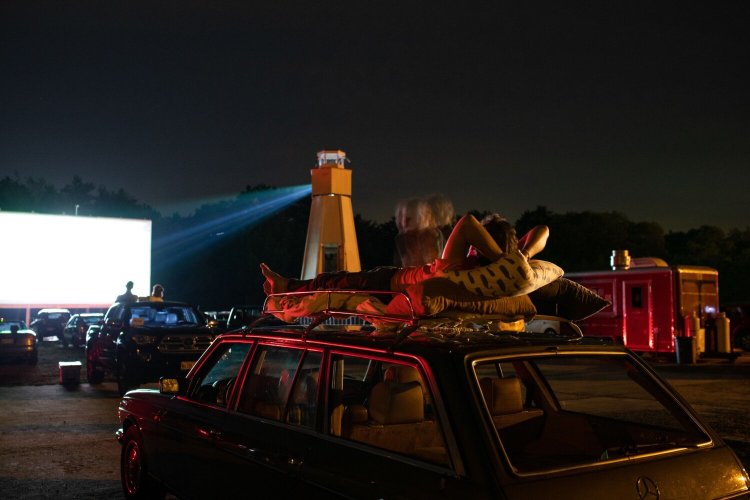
59 259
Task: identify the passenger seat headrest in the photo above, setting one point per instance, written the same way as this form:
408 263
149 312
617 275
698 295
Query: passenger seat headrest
502 395
402 374
394 403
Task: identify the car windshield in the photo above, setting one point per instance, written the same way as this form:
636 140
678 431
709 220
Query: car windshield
90 320
164 316
560 411
5 325
55 316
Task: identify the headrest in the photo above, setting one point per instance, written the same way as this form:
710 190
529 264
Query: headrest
394 403
401 374
502 395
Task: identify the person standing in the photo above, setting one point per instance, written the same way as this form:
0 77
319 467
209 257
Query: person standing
128 296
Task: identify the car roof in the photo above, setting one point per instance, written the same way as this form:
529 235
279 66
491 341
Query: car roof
427 343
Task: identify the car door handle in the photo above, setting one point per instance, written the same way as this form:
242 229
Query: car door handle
208 432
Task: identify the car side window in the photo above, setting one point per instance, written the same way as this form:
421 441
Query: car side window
114 313
267 389
302 406
386 405
214 384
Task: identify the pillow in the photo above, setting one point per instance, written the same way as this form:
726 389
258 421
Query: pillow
436 295
508 276
567 299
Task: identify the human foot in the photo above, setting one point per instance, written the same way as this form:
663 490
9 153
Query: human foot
275 283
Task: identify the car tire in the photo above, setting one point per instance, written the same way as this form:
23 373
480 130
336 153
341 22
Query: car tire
93 375
134 475
34 358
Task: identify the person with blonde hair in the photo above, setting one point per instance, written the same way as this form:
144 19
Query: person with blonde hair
157 294
443 213
418 240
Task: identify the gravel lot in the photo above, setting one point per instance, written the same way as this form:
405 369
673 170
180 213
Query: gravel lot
58 442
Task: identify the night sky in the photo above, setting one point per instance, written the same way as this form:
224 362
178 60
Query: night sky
640 108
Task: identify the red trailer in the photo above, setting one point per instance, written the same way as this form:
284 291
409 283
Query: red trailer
652 302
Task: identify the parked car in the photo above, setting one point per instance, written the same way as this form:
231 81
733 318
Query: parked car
17 341
217 319
141 341
242 315
50 322
77 326
544 324
430 411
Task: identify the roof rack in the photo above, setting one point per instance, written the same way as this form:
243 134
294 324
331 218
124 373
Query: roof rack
320 305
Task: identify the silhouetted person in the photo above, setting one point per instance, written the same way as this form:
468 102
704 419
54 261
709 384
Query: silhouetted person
128 296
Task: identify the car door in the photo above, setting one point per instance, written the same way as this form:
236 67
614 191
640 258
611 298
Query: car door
272 431
190 425
383 435
104 348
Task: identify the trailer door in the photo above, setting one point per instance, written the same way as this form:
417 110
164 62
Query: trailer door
637 314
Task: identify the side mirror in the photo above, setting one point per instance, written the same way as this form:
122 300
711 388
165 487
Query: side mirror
172 385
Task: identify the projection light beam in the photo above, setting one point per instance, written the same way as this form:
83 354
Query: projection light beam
248 210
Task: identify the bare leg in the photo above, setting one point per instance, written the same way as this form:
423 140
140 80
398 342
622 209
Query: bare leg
374 279
275 283
466 233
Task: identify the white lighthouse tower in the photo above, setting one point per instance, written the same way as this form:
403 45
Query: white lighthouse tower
331 239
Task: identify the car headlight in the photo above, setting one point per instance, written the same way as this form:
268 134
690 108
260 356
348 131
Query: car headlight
144 339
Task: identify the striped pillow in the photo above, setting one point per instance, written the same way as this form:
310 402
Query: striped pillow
508 276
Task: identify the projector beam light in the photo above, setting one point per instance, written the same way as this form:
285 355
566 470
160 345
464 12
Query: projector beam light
248 210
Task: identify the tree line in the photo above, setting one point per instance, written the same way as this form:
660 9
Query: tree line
211 257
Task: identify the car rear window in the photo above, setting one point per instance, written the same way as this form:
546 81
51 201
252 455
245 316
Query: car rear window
552 412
